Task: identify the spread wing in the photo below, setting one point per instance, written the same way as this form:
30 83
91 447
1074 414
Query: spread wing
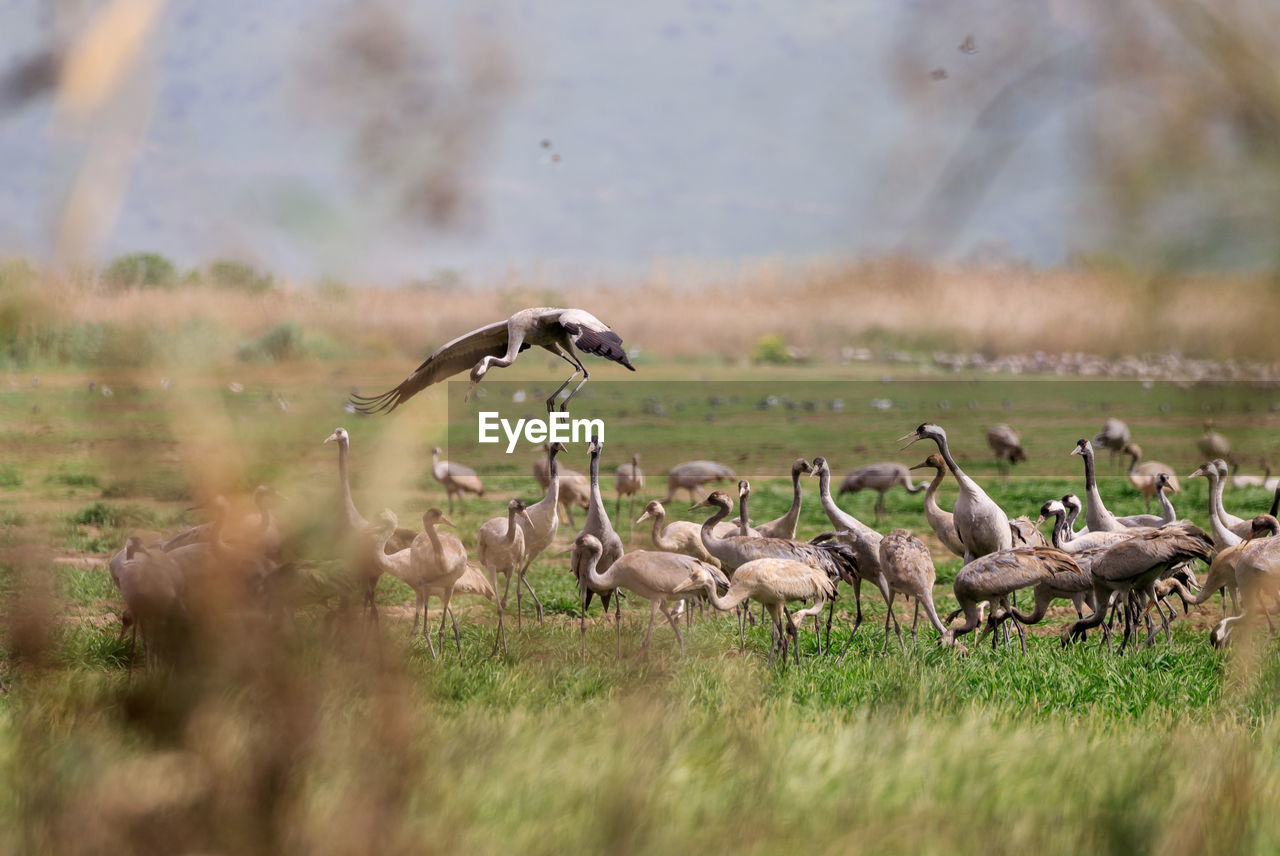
593 336
449 359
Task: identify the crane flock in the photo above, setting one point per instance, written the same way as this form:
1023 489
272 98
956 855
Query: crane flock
1119 568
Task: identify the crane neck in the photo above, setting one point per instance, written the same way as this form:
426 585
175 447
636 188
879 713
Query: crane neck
838 517
1094 510
595 509
512 527
1217 514
743 525
1059 525
658 540
709 538
1167 504
434 537
354 518
931 492
967 484
736 595
380 557
592 577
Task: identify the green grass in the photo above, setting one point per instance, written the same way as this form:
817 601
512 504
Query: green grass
325 735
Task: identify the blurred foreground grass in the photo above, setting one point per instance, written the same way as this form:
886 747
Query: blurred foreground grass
322 735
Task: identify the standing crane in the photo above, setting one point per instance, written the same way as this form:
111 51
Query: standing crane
785 526
1006 445
599 527
880 477
456 479
982 525
1143 476
942 522
628 480
1212 444
497 345
1114 436
692 475
773 582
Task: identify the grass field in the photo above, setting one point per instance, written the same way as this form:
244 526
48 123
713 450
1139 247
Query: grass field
326 736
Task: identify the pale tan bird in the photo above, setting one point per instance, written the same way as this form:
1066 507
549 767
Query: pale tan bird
402 566
1133 566
1212 444
1257 568
353 529
456 479
941 521
498 345
1143 475
1227 529
1005 444
692 475
836 559
908 569
654 576
501 550
152 587
786 525
439 561
880 477
1114 436
574 490
679 536
773 582
628 481
990 579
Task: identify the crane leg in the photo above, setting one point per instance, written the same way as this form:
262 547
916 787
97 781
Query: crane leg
653 613
675 626
536 603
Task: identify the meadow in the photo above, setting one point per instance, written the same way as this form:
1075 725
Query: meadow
324 734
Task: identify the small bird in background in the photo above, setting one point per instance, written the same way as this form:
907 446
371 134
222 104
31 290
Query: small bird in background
968 46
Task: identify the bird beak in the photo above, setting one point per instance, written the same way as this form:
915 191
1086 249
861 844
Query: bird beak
688 585
470 389
642 518
447 522
913 437
332 436
923 465
1039 520
523 514
1197 474
702 504
1076 451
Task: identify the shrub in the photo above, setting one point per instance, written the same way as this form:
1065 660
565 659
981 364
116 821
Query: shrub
771 349
140 270
239 276
281 342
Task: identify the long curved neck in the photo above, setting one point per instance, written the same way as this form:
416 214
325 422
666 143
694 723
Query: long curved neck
931 493
838 517
792 517
966 484
515 338
595 507
1169 514
436 546
380 557
1094 510
658 540
743 525
709 539
354 517
736 595
1133 462
1217 519
552 497
512 528
594 578
1059 525
1069 530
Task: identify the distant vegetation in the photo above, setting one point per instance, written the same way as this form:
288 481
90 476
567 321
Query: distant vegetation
141 310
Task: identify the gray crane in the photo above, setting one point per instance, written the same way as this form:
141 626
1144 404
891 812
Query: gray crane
786 525
941 521
456 479
991 578
599 527
498 345
880 477
981 523
1114 436
628 481
692 475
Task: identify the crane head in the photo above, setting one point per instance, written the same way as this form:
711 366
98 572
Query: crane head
701 578
653 509
1204 470
435 517
934 461
588 542
819 466
338 436
800 465
1082 448
924 430
1070 500
716 498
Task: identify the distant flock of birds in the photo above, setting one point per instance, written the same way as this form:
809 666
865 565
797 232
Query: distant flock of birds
1119 567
